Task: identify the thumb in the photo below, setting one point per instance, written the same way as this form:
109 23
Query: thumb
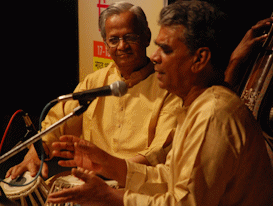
82 174
45 170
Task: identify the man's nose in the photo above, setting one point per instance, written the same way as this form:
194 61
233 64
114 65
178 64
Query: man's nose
122 45
155 57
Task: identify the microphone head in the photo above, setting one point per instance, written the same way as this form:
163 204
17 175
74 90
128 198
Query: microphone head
118 88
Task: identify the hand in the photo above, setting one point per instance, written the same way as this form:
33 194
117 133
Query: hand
140 159
77 157
30 163
251 39
93 192
82 153
240 55
65 149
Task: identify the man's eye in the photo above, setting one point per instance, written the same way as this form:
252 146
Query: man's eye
131 38
113 40
167 51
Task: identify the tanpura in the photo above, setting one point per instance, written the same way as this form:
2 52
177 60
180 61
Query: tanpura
258 92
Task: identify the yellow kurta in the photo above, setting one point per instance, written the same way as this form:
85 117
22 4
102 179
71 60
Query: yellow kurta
218 158
137 123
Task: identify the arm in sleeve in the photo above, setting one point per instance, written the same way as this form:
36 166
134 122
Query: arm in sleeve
162 129
73 126
195 175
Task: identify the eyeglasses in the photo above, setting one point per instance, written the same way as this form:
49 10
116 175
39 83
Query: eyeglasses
128 38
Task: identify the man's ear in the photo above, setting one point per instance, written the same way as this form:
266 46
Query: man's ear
106 45
201 58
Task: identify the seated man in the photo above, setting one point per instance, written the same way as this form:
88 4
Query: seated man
138 126
218 155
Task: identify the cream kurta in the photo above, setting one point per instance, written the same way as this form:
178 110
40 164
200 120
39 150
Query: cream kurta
218 158
138 122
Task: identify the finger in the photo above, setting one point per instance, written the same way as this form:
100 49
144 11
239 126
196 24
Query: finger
81 146
63 146
82 174
67 163
63 154
69 138
84 170
58 200
45 170
78 168
33 169
263 23
261 38
66 192
9 172
66 195
17 171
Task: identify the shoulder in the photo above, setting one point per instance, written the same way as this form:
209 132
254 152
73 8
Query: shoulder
222 109
217 99
226 103
100 74
218 106
95 79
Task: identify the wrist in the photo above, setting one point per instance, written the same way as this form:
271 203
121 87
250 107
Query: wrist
46 151
115 197
33 154
232 70
118 170
140 159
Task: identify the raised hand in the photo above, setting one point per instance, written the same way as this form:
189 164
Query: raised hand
65 149
84 154
253 39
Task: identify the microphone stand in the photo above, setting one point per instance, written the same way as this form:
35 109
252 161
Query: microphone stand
76 112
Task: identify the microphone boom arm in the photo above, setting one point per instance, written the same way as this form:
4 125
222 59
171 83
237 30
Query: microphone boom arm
76 112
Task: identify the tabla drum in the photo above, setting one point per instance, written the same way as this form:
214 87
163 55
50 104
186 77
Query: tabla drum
34 194
64 182
71 181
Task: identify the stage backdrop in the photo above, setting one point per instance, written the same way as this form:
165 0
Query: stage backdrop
92 51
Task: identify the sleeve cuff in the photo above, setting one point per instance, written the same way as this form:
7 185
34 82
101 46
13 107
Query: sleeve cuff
136 176
156 155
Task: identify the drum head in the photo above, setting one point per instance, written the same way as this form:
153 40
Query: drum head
14 190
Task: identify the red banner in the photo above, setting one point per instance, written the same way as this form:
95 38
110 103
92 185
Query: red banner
100 50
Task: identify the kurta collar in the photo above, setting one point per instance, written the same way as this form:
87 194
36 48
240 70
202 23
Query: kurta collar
139 75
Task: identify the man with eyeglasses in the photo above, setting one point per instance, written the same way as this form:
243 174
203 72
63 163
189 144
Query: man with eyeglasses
138 126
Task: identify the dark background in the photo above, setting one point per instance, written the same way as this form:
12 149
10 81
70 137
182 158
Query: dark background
243 14
40 54
39 61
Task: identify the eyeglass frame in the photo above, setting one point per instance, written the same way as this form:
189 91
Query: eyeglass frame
122 38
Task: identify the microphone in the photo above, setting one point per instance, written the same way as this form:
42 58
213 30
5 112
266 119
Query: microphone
31 131
118 88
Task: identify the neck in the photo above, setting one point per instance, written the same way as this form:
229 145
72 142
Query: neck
195 92
126 71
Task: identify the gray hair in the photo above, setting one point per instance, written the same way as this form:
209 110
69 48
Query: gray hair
205 26
120 7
